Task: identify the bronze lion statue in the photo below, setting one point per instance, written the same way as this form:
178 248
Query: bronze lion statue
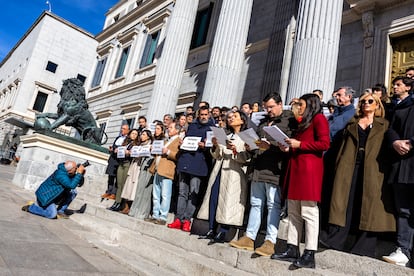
72 110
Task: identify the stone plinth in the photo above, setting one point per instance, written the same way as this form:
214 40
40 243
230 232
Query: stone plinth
41 154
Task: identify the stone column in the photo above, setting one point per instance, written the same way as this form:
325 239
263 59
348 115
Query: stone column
315 53
2 100
8 97
171 64
222 86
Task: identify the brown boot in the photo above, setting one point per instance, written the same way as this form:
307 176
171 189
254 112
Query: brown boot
243 243
126 209
267 249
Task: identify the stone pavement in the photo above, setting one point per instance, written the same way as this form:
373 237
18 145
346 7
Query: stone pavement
102 242
31 245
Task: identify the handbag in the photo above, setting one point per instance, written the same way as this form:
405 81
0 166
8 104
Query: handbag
152 168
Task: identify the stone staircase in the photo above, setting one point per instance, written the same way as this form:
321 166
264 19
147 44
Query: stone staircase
151 249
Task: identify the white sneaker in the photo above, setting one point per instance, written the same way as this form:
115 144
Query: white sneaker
397 258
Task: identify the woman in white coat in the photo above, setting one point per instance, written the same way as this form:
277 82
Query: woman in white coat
226 193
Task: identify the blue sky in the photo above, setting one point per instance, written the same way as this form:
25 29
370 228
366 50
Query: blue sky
19 15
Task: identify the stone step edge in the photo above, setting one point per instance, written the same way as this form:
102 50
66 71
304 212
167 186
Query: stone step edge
216 252
149 247
225 250
122 255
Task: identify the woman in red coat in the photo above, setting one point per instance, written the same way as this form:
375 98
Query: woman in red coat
304 180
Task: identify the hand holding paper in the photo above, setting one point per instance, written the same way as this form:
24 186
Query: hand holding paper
220 135
250 137
278 135
293 143
190 143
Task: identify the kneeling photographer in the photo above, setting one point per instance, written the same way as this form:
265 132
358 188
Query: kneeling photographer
56 193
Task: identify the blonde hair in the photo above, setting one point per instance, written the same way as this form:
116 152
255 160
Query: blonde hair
379 112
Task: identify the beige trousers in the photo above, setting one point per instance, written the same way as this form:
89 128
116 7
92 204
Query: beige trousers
299 211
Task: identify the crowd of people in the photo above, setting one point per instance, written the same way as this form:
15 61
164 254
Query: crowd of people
346 168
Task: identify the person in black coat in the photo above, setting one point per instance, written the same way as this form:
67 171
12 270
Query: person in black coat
113 163
400 138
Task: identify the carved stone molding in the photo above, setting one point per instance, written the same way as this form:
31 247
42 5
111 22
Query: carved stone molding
368 27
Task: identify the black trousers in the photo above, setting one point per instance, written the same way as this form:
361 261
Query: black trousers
112 187
337 236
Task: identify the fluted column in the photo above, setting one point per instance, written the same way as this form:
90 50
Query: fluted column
171 64
8 97
222 86
2 100
315 53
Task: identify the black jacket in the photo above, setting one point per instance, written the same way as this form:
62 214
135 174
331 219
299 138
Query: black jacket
402 128
269 165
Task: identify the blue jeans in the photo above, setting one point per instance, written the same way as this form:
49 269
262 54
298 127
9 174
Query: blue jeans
261 193
161 197
52 209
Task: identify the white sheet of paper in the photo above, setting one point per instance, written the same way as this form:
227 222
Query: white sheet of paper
209 135
220 135
190 143
135 151
276 134
250 137
121 152
144 151
152 128
157 146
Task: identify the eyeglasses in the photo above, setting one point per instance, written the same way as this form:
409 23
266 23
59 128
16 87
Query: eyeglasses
370 101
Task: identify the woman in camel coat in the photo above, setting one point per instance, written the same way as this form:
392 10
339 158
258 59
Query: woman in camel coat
360 199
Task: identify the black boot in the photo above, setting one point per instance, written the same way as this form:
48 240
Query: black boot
290 255
307 260
115 207
219 238
209 235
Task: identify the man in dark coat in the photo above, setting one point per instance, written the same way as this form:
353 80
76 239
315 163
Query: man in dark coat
113 163
400 137
269 167
56 193
192 166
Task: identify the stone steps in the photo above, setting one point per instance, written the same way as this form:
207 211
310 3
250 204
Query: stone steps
151 249
180 253
140 242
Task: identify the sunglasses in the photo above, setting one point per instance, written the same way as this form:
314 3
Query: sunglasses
370 101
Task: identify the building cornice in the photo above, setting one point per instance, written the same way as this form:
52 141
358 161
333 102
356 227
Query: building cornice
359 7
122 89
139 13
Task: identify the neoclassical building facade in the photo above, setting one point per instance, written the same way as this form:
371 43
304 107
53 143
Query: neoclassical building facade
156 56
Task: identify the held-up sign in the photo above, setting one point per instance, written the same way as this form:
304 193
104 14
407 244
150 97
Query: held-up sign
209 135
145 151
140 151
190 143
135 151
121 152
157 146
